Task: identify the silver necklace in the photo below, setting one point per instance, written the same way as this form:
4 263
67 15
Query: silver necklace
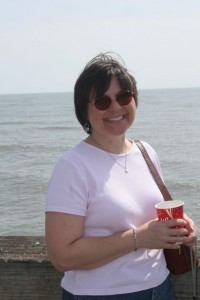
123 167
115 160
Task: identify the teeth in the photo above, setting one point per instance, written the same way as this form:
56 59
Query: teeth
116 118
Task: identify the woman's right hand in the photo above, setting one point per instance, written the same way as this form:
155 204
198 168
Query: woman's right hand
161 234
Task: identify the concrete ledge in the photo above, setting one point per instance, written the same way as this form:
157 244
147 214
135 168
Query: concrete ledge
26 273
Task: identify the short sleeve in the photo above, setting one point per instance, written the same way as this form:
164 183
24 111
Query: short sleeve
67 190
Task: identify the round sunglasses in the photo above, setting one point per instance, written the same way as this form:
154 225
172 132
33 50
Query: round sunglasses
102 103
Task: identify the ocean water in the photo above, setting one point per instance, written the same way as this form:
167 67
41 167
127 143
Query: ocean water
35 129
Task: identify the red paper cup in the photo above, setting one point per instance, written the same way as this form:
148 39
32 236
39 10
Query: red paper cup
169 210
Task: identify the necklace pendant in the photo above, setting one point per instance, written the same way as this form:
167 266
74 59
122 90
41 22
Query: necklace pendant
126 171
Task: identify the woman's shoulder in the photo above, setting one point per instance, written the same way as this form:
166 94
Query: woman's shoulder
147 146
150 150
73 151
75 156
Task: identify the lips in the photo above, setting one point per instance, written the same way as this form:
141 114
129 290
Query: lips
115 119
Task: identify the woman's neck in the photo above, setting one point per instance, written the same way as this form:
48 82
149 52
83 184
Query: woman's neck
117 145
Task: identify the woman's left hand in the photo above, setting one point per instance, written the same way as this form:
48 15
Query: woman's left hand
192 234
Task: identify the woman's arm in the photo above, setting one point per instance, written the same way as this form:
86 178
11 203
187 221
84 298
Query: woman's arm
68 249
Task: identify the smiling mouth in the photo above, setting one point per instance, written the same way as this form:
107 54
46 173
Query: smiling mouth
114 119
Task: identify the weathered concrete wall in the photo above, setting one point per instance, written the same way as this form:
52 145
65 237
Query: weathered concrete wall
26 273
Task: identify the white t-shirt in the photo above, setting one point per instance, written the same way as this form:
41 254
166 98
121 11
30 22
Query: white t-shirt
86 181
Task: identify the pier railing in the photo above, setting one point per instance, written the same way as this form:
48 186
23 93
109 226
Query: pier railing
26 272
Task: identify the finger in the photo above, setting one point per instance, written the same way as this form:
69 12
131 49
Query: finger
172 246
178 232
190 223
191 239
177 239
192 234
176 222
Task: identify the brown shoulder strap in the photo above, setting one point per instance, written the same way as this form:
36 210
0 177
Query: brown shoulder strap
156 176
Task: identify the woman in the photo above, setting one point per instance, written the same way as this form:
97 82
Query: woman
101 226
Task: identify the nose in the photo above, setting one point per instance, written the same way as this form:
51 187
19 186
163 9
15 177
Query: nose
114 104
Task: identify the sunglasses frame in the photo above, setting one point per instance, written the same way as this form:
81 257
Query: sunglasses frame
123 98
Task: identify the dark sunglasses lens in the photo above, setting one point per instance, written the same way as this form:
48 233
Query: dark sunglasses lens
124 98
103 102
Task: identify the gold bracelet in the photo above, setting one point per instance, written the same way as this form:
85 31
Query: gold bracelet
135 240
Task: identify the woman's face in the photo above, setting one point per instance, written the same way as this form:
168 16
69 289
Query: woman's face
116 119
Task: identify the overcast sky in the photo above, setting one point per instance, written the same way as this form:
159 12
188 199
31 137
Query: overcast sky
44 44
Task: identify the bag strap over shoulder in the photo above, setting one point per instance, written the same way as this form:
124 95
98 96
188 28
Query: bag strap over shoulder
154 172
